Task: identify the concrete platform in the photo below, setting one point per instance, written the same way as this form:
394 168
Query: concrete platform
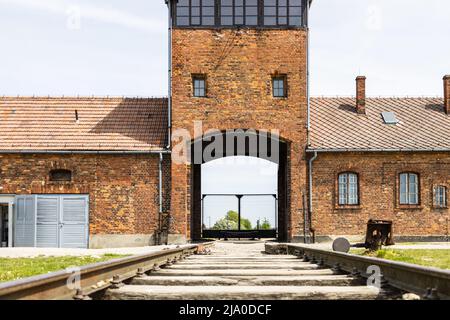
145 292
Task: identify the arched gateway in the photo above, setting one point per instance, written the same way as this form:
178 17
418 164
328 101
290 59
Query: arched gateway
233 143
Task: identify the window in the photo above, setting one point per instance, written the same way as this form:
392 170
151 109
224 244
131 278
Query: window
279 87
283 12
440 197
409 188
199 85
348 189
195 13
218 13
61 175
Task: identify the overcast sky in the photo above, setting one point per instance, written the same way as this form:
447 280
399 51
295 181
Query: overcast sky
116 47
120 47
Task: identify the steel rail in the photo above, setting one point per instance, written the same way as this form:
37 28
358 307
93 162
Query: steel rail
404 276
93 278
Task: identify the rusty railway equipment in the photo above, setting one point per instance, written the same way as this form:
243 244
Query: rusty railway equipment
93 278
379 233
428 282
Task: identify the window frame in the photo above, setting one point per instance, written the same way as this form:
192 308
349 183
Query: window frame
199 77
282 78
408 185
445 197
348 188
260 16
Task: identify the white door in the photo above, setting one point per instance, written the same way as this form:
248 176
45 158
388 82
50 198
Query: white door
74 228
47 222
62 221
25 221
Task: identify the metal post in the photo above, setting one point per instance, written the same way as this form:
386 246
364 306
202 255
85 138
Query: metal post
239 211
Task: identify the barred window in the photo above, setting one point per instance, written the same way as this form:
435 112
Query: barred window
440 197
409 188
348 189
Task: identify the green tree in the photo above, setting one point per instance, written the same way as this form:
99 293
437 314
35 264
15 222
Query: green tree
265 225
230 222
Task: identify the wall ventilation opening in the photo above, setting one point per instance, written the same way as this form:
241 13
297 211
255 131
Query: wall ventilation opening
61 175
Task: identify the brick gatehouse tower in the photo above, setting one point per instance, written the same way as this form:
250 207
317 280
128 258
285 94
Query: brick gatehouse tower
240 64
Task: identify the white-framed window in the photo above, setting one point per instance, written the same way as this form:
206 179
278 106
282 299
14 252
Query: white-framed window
409 188
348 188
440 197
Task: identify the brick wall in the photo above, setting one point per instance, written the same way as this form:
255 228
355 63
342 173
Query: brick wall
122 189
239 65
379 185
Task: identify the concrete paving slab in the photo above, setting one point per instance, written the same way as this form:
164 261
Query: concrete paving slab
144 292
59 252
242 272
247 266
334 280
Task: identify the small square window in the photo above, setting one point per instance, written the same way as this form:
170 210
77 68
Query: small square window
279 87
199 86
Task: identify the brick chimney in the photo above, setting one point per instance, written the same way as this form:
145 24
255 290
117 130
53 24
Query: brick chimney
361 95
447 94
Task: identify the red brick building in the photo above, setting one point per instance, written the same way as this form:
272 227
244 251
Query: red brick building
80 172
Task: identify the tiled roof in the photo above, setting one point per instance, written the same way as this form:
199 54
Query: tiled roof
104 124
423 125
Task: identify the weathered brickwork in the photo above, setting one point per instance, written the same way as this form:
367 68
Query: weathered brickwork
122 189
378 188
239 65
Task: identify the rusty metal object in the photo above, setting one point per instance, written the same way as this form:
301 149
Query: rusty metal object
93 278
379 233
404 276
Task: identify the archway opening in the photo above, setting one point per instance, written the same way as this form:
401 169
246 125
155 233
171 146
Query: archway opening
239 198
243 191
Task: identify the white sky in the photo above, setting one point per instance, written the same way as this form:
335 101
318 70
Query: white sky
112 47
120 47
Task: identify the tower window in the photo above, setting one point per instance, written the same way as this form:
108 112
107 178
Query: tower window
279 87
229 13
199 85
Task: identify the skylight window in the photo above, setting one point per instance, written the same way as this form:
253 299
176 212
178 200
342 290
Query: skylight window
389 118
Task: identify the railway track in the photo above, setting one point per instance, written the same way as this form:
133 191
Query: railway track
250 275
238 271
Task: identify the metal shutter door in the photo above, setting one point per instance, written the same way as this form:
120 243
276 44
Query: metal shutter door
74 219
24 221
47 218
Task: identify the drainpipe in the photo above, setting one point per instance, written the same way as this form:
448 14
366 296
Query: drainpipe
169 97
160 194
308 125
310 168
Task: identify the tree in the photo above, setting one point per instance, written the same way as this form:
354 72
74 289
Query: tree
265 225
230 222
